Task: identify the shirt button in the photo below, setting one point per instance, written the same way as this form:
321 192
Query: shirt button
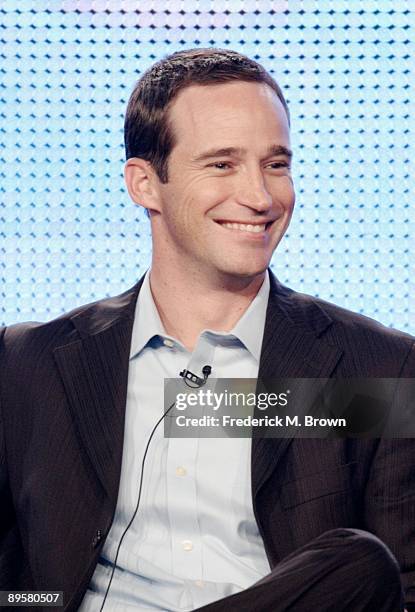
168 342
180 471
187 545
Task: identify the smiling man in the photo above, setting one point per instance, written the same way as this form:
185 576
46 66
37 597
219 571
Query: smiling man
225 206
100 504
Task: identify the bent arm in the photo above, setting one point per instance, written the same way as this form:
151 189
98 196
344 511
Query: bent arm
10 546
390 497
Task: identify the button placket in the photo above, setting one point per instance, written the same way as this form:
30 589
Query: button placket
187 545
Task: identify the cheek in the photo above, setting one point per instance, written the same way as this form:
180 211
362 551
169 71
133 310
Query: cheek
188 198
284 193
201 199
209 192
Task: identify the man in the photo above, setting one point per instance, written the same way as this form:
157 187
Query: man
268 524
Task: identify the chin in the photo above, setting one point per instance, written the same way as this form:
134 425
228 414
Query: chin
245 272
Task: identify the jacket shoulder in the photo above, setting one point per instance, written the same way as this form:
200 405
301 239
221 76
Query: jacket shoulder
349 320
368 346
86 319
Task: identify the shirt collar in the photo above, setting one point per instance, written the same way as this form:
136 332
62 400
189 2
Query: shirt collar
249 330
250 327
147 322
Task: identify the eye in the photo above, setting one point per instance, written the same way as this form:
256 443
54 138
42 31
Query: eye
220 165
278 164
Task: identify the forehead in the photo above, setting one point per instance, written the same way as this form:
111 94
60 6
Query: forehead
234 110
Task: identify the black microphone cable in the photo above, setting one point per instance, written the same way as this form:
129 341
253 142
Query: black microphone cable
199 382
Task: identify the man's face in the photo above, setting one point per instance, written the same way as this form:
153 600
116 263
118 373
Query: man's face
230 196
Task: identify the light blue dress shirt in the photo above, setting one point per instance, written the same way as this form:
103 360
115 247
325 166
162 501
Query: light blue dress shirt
194 539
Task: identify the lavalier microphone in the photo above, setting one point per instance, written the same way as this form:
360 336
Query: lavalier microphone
187 375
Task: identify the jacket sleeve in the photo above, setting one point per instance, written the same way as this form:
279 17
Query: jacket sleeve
10 546
390 493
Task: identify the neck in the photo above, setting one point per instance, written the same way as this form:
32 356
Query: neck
189 302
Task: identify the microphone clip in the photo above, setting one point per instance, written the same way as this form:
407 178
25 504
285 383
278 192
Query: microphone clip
187 375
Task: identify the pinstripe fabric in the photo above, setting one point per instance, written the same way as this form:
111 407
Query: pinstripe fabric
62 397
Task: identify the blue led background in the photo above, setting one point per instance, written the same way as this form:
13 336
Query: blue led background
69 233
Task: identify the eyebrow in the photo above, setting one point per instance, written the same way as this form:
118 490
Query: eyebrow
238 152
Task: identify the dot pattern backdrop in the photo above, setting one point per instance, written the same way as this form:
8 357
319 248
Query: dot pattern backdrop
69 233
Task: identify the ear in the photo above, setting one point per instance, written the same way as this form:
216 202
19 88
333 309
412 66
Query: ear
141 181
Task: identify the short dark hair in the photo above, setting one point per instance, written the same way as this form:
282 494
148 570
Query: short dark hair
147 132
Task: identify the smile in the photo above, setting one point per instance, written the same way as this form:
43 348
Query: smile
245 227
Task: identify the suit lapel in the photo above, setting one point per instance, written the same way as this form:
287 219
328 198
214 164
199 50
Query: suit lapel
94 371
293 347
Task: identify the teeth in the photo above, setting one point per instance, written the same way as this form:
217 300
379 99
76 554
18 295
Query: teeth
256 229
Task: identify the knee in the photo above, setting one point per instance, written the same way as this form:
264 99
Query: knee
364 549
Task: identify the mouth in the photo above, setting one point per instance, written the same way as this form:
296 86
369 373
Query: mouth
252 228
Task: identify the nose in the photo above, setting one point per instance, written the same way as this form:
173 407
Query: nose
253 192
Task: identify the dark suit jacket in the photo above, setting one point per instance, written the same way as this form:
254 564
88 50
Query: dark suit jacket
63 395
